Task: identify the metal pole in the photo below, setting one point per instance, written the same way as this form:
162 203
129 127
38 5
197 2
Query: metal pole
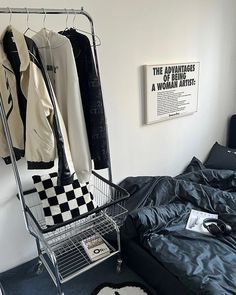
13 160
8 10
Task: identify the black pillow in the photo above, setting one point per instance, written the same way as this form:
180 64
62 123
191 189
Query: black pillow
221 157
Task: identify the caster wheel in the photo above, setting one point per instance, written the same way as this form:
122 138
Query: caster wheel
118 266
39 268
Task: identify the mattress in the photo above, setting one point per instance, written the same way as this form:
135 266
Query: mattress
203 264
154 273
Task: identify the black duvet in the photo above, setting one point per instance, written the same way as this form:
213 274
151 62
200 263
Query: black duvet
160 210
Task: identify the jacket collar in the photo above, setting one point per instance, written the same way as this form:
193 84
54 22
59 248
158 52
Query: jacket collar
22 48
3 59
49 39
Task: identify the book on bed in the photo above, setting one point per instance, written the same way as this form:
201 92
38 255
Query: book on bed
195 221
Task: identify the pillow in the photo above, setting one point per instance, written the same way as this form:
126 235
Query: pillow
221 157
62 203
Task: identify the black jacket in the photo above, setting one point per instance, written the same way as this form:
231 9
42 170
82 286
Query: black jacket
92 100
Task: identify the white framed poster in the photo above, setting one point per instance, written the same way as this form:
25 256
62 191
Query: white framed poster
171 90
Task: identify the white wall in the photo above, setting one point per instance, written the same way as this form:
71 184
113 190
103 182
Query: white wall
135 33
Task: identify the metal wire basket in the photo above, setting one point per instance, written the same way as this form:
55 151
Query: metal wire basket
109 197
60 248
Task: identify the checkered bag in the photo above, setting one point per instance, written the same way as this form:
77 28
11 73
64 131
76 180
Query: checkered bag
62 203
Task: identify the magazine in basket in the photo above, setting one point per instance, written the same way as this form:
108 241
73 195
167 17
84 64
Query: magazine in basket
95 247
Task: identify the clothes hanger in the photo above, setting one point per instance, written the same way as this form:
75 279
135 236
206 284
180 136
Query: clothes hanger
27 20
86 32
67 16
45 29
44 19
10 18
10 11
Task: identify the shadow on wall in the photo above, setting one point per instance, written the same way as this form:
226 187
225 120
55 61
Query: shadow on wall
143 109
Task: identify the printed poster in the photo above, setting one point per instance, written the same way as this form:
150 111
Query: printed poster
171 90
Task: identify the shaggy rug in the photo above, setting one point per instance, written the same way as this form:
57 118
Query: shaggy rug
121 289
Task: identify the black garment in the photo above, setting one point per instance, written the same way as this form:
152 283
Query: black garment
64 175
91 95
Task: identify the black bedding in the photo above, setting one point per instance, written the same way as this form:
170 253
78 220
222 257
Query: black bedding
160 207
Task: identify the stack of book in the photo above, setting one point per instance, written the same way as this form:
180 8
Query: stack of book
95 247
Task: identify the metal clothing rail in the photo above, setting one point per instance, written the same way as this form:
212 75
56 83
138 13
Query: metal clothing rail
43 10
3 117
46 11
50 11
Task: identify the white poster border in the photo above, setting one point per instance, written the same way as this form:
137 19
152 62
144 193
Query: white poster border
151 100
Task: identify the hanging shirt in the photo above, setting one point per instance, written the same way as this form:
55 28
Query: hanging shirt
92 100
35 106
43 126
57 54
8 94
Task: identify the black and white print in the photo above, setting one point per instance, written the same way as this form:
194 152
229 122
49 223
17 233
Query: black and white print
126 288
63 203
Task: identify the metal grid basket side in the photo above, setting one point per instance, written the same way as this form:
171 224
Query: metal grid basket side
83 228
70 254
100 224
105 193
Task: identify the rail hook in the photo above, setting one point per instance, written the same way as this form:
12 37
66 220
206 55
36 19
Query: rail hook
10 11
44 18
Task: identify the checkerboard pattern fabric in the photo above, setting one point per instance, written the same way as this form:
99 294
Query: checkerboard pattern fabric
62 203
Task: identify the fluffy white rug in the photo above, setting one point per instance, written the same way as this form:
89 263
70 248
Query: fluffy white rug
121 289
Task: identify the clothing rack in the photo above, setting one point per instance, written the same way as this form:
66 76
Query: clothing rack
45 11
111 188
65 11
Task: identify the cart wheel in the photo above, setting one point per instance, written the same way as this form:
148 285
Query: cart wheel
39 267
119 264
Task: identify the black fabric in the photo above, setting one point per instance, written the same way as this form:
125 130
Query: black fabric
40 165
221 157
143 191
92 100
204 264
18 155
232 133
194 165
154 273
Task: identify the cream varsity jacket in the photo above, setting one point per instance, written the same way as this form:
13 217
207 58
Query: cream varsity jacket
11 107
32 92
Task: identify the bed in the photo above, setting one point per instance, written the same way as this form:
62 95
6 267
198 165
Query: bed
156 243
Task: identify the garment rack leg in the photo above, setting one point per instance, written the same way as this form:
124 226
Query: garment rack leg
57 277
39 266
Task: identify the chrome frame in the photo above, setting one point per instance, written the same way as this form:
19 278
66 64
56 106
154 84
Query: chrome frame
36 233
